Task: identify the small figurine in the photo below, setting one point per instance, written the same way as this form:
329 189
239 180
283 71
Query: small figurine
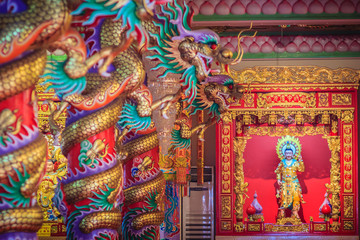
258 214
325 208
250 211
289 194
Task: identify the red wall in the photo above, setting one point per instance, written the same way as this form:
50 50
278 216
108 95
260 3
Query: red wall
261 161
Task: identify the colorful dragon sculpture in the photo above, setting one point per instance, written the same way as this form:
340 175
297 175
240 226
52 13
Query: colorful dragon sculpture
190 55
187 55
91 194
27 29
116 35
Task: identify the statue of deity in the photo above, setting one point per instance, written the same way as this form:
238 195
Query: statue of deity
289 194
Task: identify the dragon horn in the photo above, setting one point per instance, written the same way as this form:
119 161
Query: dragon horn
240 52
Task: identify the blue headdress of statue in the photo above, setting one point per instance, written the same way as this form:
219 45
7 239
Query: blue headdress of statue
289 147
288 143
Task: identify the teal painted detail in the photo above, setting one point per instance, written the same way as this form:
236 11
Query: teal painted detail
177 141
209 40
103 236
184 13
130 118
228 81
61 82
214 109
167 31
150 232
285 17
73 218
101 200
127 13
4 139
13 191
58 58
189 81
151 201
83 158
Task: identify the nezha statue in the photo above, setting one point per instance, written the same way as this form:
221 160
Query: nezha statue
289 192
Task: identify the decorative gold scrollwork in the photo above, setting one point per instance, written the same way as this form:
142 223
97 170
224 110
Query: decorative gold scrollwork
335 227
254 227
286 99
321 227
240 184
334 187
309 114
239 227
284 221
225 206
226 225
348 206
287 228
296 75
227 117
348 225
341 99
347 116
279 131
323 99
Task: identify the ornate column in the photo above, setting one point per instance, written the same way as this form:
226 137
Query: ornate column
200 153
240 184
23 150
90 195
334 186
348 165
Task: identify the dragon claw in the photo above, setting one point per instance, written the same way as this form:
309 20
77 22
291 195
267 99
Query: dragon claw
105 74
164 114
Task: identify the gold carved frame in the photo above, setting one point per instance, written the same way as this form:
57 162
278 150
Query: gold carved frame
313 94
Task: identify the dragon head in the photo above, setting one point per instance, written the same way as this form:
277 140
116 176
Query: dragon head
191 53
217 94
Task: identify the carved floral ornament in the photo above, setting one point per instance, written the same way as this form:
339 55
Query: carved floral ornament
296 75
305 119
289 116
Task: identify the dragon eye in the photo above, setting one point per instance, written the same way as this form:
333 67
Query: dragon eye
230 87
213 46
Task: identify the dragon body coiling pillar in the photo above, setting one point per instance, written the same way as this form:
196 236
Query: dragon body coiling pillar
144 187
23 149
89 196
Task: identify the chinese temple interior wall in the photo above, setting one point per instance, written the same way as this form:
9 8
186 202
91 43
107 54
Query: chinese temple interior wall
210 135
267 144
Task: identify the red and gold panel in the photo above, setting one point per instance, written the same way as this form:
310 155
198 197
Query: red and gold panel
224 200
347 142
321 112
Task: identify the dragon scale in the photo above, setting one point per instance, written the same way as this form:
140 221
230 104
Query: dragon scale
109 140
23 149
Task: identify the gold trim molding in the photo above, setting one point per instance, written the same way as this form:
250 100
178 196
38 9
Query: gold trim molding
240 184
296 75
287 228
348 206
226 206
286 99
334 187
345 114
342 99
278 131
